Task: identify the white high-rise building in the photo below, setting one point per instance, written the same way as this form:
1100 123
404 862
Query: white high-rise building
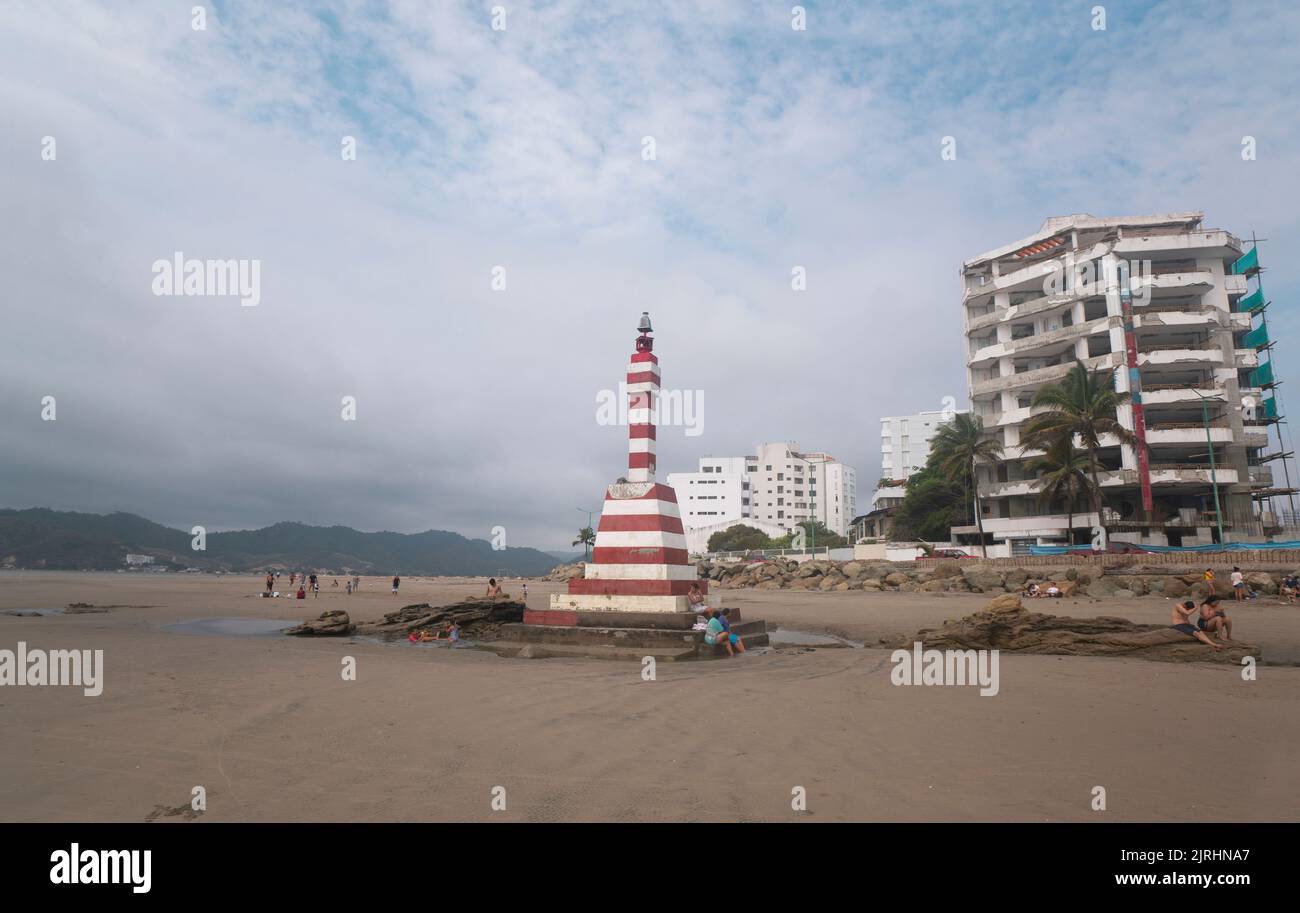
904 447
779 485
1163 306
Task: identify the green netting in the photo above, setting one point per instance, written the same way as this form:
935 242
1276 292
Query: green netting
1270 408
1256 337
1262 376
1248 262
1253 301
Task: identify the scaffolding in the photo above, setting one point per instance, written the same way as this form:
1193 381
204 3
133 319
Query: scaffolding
1268 412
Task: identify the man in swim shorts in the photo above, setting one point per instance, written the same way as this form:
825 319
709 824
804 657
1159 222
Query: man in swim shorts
1214 619
1180 617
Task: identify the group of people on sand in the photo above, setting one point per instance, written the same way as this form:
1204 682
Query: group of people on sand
716 623
1034 591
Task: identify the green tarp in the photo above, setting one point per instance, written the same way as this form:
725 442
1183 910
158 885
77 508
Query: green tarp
1247 263
1270 408
1252 302
1262 376
1256 337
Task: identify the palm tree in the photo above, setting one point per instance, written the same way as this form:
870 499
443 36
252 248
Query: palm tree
586 536
1064 474
958 446
1083 404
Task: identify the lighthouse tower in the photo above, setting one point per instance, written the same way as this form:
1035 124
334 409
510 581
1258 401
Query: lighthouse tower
639 563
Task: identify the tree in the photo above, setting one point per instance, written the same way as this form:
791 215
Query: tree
738 538
1064 474
932 504
813 532
958 446
586 536
1083 404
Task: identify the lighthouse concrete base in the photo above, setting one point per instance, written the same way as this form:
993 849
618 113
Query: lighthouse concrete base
592 602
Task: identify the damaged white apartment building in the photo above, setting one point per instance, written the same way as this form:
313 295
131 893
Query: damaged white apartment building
1196 354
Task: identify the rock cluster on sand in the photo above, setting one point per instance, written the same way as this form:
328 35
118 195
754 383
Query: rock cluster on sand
566 572
329 624
1177 581
478 619
1005 624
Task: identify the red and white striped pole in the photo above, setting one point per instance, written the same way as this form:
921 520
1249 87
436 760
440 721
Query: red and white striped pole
642 394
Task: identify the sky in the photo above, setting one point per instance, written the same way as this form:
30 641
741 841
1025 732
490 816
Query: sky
519 153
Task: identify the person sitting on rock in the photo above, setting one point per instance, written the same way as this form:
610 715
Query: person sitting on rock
717 633
1181 618
1032 591
1213 619
696 599
1053 591
1288 589
453 633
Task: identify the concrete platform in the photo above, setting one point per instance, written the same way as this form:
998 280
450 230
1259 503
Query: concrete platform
681 621
607 642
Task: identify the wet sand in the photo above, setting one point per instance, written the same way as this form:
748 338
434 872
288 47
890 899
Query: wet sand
269 728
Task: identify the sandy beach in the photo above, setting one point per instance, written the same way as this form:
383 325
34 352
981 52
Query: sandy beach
267 725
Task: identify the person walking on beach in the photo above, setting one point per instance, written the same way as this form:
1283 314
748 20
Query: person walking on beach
1181 621
315 586
397 581
525 585
349 587
270 582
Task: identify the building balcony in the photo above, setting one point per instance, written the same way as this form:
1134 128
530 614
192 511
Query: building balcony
1036 378
1161 474
1187 433
1165 394
1261 477
1177 353
1144 245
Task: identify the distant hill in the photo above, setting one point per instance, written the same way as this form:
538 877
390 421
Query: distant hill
65 540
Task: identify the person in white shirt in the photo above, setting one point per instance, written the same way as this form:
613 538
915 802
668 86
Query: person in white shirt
1238 584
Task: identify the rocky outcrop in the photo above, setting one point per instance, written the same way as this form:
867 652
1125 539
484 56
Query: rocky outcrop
478 619
329 624
944 576
1004 624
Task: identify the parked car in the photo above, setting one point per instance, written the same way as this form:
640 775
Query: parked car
949 553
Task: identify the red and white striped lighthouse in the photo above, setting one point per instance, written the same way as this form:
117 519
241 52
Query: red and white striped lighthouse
640 562
642 394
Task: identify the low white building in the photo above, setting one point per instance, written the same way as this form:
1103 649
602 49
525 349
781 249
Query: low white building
138 560
905 444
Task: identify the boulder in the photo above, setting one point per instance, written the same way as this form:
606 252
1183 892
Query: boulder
871 583
329 624
1016 577
1262 583
945 568
982 578
1175 587
895 579
852 569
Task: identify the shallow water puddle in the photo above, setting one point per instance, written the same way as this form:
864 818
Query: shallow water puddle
32 613
232 627
789 637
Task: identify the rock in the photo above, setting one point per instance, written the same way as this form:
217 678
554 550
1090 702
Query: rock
934 586
982 578
895 579
1004 624
871 583
853 569
1262 583
1007 602
808 569
844 585
478 619
329 624
829 583
1175 587
1072 574
946 568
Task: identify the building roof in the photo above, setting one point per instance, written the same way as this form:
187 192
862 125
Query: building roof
1056 225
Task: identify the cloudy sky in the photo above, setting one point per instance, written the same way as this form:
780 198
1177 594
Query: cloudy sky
522 148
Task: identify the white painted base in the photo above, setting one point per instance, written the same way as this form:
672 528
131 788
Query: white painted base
597 603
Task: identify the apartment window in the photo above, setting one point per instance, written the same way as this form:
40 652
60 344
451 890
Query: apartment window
780 489
751 469
769 468
780 502
780 476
